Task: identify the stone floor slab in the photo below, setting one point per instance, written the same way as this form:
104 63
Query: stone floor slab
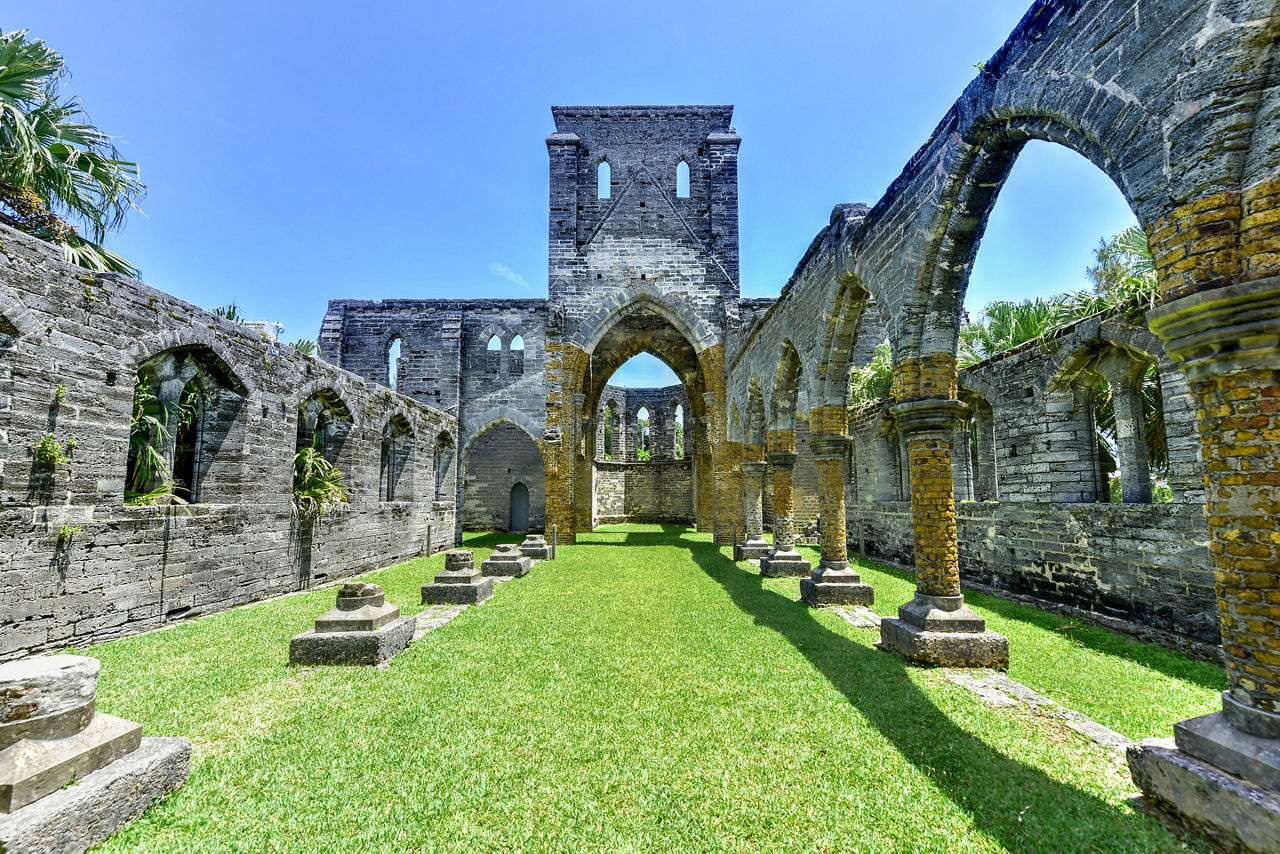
435 617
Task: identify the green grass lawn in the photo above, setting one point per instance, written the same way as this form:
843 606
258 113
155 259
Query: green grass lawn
641 692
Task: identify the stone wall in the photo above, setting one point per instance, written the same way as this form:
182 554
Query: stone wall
660 491
494 463
78 566
1032 510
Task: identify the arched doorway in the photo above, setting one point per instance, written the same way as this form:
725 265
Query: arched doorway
519 513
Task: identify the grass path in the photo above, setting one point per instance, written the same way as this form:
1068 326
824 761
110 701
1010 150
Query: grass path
630 698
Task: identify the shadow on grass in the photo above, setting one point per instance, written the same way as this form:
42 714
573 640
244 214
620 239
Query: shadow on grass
993 788
1096 638
489 539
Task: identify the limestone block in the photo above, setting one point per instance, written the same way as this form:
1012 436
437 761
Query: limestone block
76 818
784 563
46 697
507 560
452 593
35 767
353 647
1235 814
535 546
945 649
360 608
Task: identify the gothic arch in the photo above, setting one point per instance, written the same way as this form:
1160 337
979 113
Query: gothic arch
216 354
786 387
616 308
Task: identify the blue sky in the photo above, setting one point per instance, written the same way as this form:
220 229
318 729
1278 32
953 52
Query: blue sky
298 152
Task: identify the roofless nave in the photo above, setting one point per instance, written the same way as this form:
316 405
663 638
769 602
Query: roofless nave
1178 102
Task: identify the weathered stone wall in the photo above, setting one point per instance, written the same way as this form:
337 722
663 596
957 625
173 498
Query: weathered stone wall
78 566
494 463
659 491
1047 536
622 407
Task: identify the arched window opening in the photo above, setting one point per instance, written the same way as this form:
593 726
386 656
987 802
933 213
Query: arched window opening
396 481
603 180
444 461
184 405
610 417
517 356
679 432
493 355
982 450
643 449
682 180
393 364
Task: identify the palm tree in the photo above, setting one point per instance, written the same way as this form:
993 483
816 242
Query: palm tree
55 167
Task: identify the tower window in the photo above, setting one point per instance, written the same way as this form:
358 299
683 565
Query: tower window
603 180
682 180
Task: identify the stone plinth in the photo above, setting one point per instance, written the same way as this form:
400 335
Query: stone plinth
459 583
50 736
535 546
1236 814
360 629
783 562
755 547
834 583
506 560
942 630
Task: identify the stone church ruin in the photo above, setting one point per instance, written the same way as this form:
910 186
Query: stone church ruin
453 414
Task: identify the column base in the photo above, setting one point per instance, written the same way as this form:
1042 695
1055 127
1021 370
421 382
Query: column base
754 548
1211 738
358 647
783 563
472 593
1237 815
834 583
943 631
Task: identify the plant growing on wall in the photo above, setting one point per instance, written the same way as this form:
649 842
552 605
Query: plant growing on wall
305 346
318 486
148 480
47 451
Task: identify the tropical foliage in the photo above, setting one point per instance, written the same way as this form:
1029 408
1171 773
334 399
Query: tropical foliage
318 486
148 480
231 312
305 346
58 173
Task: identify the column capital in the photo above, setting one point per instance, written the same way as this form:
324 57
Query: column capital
829 447
756 467
781 459
928 416
1223 331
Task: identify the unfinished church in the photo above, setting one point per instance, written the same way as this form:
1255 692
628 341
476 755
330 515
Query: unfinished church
498 414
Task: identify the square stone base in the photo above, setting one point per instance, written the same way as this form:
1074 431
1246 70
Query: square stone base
1236 815
32 768
781 566
507 568
819 593
457 594
536 552
75 819
1212 739
359 648
754 549
945 649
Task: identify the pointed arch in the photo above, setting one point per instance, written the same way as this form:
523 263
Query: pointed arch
786 387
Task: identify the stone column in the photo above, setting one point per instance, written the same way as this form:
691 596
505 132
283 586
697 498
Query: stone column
833 582
936 627
784 559
1124 374
1228 341
753 470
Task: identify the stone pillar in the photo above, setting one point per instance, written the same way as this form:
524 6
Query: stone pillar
754 467
783 559
962 464
833 582
1228 341
1124 374
936 627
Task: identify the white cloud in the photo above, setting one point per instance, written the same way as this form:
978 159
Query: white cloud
509 274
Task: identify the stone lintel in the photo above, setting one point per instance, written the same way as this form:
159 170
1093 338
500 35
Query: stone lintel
33 767
1235 814
346 647
945 649
76 818
1222 331
928 416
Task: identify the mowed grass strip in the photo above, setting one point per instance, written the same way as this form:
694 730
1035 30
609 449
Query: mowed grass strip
642 691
